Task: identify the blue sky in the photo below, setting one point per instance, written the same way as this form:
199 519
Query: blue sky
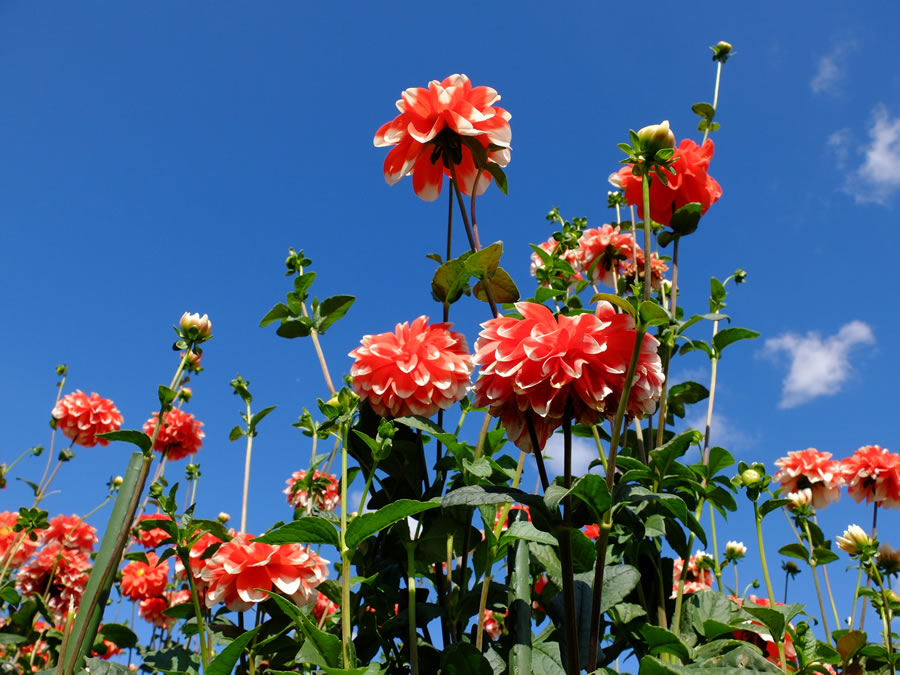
162 157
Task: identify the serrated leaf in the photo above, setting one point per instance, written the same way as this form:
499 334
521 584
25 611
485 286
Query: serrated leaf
364 526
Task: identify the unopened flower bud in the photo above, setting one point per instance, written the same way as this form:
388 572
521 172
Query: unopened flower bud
194 326
800 499
615 180
723 47
192 362
185 394
656 137
735 550
223 517
117 481
750 477
854 540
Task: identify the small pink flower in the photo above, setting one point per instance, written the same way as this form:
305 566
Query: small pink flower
812 470
81 417
416 370
602 252
240 567
325 490
180 436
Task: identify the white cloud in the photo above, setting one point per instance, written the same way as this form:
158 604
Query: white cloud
832 69
584 451
840 142
878 177
819 367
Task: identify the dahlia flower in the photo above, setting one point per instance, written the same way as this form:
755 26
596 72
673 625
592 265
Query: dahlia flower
196 558
323 608
873 473
762 639
854 541
71 532
179 437
58 574
513 507
151 610
691 183
13 545
634 270
427 135
416 370
811 469
571 256
81 417
592 531
492 626
142 580
603 251
698 578
240 567
540 363
150 538
325 489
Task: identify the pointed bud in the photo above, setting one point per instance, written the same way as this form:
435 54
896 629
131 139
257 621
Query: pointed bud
223 517
854 541
195 327
656 137
721 51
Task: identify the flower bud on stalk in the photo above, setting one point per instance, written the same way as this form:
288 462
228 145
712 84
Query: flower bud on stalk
750 478
656 137
223 517
735 550
195 327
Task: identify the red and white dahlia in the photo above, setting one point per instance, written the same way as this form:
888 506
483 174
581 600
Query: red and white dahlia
873 473
72 532
180 436
81 417
142 580
813 470
428 131
325 489
416 370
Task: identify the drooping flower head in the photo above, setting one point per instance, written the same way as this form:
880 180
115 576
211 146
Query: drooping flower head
15 548
416 370
873 473
150 538
81 417
72 532
58 574
539 364
691 183
428 133
180 436
142 580
325 489
236 572
811 469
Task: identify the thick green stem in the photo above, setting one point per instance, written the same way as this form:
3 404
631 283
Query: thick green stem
565 549
247 472
717 569
346 628
606 525
645 186
411 588
885 614
855 598
768 579
198 612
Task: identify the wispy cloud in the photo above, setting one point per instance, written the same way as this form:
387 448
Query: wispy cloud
832 69
839 143
584 451
878 177
819 367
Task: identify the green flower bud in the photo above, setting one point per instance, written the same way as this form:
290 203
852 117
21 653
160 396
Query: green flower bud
750 477
656 137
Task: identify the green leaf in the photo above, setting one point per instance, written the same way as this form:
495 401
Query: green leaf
522 529
716 290
236 433
503 288
685 220
119 634
332 309
462 658
176 659
306 530
664 238
448 281
166 396
823 556
303 283
771 504
618 582
138 438
546 659
258 417
795 550
499 175
653 315
100 667
621 303
662 641
183 611
478 495
728 336
850 643
278 312
223 664
704 110
326 646
9 594
486 261
593 491
364 526
294 327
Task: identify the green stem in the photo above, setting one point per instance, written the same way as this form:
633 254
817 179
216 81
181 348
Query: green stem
714 363
715 99
247 471
855 598
198 612
645 187
885 615
346 628
565 548
768 579
717 569
411 587
813 565
600 448
59 390
606 525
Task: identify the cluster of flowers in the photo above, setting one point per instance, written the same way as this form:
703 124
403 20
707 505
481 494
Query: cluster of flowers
535 366
605 254
81 418
810 477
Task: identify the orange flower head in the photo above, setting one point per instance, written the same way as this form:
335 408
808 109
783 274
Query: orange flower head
416 370
323 608
197 560
325 489
539 364
15 548
142 580
813 470
698 578
236 572
81 417
427 135
873 473
72 532
150 538
180 436
59 574
603 251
